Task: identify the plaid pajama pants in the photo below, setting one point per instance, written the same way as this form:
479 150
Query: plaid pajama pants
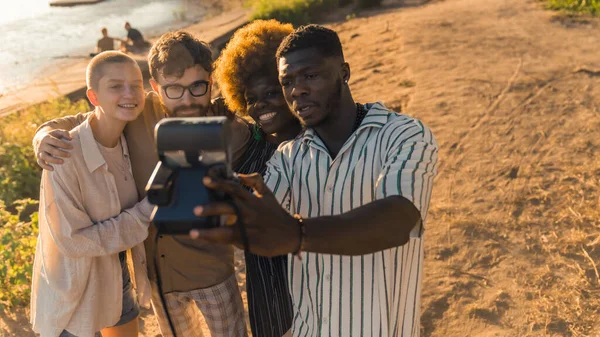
221 306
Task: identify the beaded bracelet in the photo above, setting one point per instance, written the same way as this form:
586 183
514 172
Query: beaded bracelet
302 228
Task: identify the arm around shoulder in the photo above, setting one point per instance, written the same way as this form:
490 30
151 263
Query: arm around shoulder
50 142
63 123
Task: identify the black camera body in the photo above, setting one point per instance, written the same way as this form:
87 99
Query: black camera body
187 149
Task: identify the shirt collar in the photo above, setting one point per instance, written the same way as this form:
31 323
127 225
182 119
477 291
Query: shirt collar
376 117
91 153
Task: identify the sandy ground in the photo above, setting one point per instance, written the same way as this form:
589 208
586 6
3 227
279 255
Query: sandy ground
512 94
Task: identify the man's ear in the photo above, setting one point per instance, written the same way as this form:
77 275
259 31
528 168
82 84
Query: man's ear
154 86
209 90
91 95
346 72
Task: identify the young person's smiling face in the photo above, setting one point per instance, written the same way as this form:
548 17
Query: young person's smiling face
312 84
266 104
175 92
120 91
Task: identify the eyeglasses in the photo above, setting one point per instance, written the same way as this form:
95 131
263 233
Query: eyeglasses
176 91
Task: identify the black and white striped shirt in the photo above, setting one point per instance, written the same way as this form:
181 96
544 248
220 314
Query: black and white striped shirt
269 301
367 295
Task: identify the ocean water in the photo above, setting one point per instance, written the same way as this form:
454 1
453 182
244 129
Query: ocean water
37 40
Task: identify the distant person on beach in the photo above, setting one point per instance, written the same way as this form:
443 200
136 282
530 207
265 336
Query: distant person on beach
90 217
134 42
246 72
106 43
181 67
347 200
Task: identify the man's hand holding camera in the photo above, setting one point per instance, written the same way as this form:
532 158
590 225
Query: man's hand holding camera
270 229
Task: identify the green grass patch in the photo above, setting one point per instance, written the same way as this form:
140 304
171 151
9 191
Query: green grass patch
19 172
575 6
296 12
19 190
301 12
17 250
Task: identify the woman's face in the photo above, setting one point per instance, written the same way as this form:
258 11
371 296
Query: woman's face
266 104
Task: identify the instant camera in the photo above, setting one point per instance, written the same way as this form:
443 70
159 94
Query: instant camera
187 149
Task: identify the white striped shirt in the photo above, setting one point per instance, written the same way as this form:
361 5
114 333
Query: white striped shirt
367 295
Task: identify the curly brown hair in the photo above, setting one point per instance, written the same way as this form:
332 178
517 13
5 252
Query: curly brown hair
251 50
177 51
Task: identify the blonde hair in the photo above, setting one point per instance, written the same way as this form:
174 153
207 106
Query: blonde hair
95 69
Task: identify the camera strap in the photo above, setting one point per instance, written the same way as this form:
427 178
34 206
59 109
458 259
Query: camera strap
241 227
159 283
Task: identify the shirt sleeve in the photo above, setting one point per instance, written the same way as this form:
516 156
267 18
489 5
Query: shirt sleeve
409 167
65 123
75 234
276 179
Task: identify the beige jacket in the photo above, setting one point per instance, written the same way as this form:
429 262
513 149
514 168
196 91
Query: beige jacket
77 279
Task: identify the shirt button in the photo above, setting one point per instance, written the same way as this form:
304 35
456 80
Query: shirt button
327 277
325 320
329 188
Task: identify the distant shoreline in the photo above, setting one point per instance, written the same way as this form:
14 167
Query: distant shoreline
67 79
76 39
63 76
69 3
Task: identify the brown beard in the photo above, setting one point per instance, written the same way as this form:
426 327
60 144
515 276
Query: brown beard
202 109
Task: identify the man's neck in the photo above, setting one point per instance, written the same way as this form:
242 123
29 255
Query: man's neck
339 126
106 131
290 132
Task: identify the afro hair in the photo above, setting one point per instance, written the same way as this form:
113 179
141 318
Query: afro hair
250 51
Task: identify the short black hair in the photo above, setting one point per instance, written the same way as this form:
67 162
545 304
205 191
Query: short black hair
325 40
175 52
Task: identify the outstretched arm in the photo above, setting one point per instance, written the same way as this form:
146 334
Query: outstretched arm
403 190
273 231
